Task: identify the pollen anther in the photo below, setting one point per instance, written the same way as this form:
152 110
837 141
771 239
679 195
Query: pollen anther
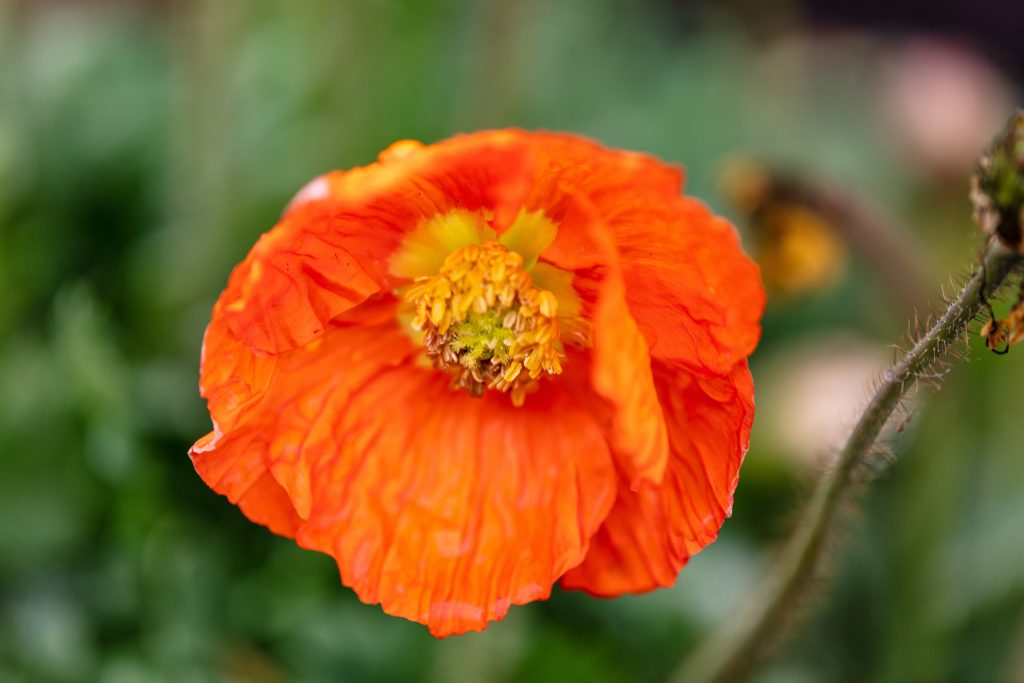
485 322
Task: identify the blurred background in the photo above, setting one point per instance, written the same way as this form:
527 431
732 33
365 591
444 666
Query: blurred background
145 145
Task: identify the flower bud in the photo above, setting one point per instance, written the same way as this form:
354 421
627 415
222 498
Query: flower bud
997 188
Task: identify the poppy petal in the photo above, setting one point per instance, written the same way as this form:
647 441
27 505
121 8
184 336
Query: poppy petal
650 534
461 507
620 361
331 249
239 472
697 297
444 508
232 375
268 504
298 277
694 294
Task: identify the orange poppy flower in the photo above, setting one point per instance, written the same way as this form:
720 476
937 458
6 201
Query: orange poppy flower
475 368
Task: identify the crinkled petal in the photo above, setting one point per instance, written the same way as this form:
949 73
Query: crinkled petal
256 404
620 361
448 509
694 294
234 466
443 508
697 297
650 534
330 251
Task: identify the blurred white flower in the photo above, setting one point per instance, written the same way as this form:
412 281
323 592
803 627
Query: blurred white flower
811 393
943 103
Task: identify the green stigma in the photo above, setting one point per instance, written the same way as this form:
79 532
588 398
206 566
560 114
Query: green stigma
481 338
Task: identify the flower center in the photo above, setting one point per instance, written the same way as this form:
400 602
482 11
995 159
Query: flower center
485 322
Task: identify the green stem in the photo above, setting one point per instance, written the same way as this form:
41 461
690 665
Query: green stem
730 653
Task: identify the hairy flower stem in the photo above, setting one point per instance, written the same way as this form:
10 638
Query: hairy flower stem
730 653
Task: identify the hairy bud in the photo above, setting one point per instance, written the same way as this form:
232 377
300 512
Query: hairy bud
997 188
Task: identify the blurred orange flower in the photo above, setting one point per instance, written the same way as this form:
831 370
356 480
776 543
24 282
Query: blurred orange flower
478 367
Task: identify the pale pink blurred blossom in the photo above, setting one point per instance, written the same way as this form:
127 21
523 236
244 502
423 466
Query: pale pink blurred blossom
943 103
813 392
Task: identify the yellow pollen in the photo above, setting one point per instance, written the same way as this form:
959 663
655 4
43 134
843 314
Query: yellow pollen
485 322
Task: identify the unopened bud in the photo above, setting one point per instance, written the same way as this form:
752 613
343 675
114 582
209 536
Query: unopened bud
997 188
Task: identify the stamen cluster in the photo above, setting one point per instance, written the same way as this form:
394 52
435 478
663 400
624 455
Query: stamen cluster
485 322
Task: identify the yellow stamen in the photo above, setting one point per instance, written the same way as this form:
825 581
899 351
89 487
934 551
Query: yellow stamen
485 322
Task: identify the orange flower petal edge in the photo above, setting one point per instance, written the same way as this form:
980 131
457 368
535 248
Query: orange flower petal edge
477 368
